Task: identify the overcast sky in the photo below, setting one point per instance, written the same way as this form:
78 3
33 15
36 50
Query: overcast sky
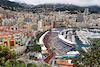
75 2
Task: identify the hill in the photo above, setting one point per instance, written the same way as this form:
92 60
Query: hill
45 7
6 3
63 7
25 5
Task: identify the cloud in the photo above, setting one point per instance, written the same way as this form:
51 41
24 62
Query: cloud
75 2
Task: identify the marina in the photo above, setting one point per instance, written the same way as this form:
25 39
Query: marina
81 37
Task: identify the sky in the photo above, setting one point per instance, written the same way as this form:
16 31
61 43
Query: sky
74 2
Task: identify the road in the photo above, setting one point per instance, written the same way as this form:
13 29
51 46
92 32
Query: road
52 40
27 61
51 53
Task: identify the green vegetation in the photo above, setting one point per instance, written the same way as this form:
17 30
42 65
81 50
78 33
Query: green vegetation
38 36
37 47
60 9
8 58
45 65
31 65
33 37
90 59
63 26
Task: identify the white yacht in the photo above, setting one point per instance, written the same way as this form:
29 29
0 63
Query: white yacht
83 36
67 37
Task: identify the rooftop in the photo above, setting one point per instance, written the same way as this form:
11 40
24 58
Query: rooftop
64 66
8 38
44 51
61 61
25 29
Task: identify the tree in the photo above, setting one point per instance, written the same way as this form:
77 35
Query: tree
38 36
90 59
31 65
45 65
37 47
8 58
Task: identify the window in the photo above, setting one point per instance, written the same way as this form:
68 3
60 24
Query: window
11 43
16 28
16 43
12 28
62 33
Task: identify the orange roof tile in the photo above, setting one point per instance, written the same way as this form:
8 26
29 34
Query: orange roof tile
9 38
25 29
3 35
61 61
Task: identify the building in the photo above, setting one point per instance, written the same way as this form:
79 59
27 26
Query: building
94 16
9 42
62 63
82 24
1 9
0 21
2 37
53 24
34 26
44 50
86 11
20 50
80 17
8 22
29 27
41 25
28 19
21 39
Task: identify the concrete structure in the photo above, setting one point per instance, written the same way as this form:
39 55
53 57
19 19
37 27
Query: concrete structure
86 11
20 50
81 24
41 25
21 39
34 26
0 21
1 9
80 17
14 28
9 42
53 24
62 63
28 19
29 27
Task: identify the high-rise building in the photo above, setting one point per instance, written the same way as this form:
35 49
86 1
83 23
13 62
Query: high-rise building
86 11
41 25
54 17
80 17
53 24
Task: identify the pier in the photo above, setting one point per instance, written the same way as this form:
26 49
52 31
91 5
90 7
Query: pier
82 37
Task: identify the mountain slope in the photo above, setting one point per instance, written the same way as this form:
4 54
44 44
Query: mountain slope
94 8
63 7
6 3
25 5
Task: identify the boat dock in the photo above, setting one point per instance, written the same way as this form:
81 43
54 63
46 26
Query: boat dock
82 37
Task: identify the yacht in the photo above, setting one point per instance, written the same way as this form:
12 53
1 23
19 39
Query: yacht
67 37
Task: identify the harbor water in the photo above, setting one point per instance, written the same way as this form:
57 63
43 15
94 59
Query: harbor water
78 42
